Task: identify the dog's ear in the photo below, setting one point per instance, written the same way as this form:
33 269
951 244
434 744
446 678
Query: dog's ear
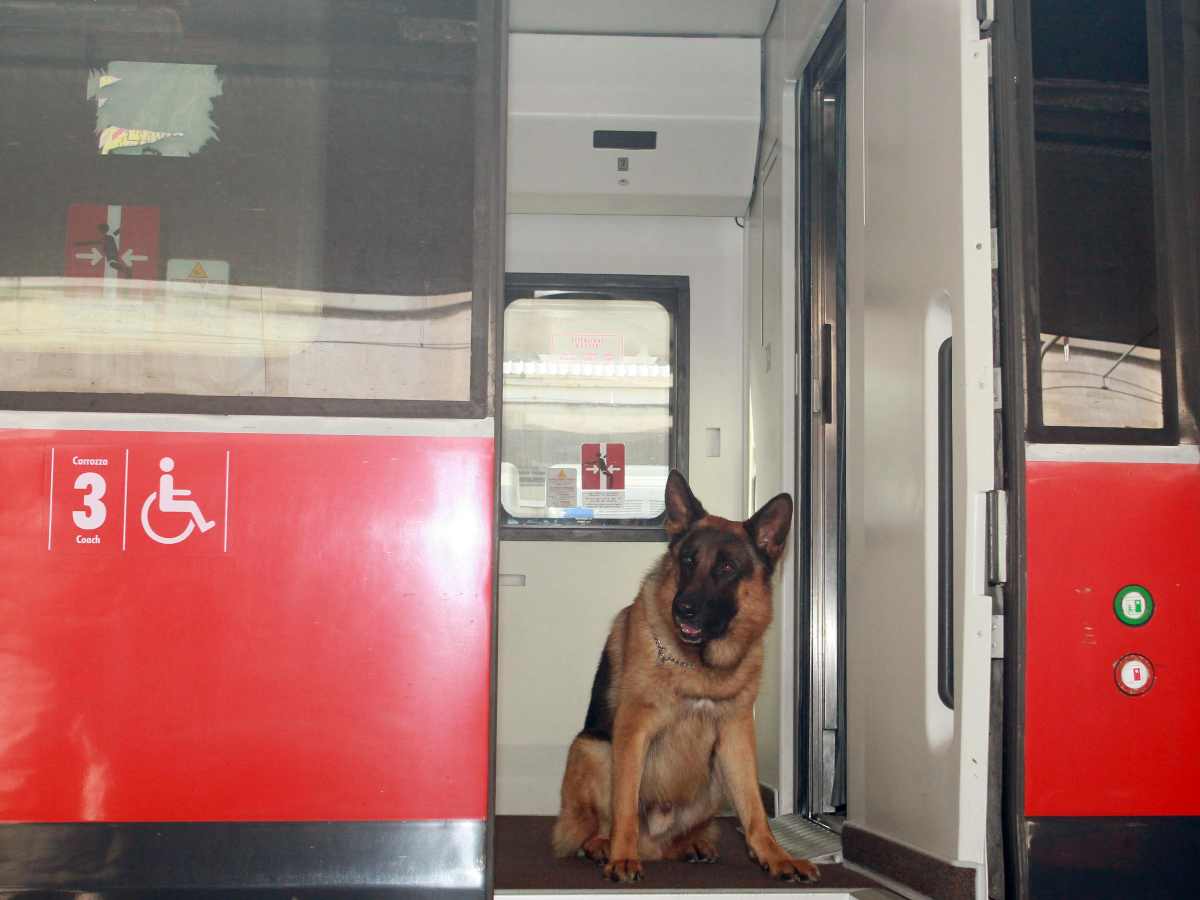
683 509
768 528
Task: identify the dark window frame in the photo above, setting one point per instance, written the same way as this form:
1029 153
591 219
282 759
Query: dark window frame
1167 221
672 292
486 264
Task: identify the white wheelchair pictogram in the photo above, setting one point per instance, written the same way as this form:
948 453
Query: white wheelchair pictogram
168 496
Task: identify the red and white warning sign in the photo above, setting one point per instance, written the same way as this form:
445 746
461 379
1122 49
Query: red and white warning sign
602 470
603 467
111 241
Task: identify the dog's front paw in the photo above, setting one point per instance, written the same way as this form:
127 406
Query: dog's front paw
787 869
623 870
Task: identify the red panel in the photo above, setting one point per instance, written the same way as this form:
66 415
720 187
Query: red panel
1091 750
320 652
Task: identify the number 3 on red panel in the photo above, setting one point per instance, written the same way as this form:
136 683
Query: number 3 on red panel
83 515
94 511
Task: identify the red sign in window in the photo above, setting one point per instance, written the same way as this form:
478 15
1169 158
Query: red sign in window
603 467
112 241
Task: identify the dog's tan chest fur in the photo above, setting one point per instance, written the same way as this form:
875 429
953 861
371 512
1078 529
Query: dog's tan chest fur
679 761
681 783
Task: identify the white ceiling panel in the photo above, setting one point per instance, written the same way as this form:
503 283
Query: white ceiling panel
726 18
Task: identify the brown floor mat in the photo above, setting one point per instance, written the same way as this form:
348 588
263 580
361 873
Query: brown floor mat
524 862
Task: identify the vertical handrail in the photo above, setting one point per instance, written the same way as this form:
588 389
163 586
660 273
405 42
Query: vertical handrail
945 623
827 373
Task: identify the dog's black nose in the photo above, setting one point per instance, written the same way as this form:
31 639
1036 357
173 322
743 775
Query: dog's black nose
685 608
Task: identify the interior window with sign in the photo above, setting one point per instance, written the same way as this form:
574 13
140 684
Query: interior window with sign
592 400
274 205
1100 344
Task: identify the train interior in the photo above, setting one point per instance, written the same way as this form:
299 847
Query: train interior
753 119
773 244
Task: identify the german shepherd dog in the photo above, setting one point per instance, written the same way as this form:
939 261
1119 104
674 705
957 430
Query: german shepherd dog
669 733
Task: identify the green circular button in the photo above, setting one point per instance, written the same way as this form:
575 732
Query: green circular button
1133 605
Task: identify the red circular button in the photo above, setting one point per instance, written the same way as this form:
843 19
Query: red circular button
1134 674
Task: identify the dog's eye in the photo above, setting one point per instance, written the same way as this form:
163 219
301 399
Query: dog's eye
688 561
726 568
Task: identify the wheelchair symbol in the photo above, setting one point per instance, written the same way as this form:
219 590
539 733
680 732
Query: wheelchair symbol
168 496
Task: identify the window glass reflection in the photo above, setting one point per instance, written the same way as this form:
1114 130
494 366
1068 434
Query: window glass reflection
1100 353
219 198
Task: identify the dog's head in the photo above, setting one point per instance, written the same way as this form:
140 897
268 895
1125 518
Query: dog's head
719 573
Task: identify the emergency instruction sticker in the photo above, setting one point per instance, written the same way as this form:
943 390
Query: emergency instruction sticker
562 487
604 500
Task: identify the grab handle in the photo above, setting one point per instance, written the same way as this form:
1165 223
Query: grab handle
827 373
945 623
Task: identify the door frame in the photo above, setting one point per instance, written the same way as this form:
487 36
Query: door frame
813 260
1011 92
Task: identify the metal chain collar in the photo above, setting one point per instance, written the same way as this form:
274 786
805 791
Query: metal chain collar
665 656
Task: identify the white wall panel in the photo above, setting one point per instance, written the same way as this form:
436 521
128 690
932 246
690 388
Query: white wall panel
699 96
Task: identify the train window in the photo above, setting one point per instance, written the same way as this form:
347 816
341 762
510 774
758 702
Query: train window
1100 342
594 404
268 207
